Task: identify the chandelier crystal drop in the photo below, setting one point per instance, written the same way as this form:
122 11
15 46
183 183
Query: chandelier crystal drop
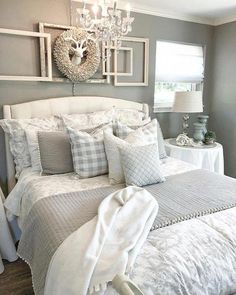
106 22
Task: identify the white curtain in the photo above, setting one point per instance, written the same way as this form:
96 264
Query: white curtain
179 62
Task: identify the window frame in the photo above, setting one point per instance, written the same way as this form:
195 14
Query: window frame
194 86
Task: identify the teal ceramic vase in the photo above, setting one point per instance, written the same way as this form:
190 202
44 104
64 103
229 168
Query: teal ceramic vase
199 130
202 119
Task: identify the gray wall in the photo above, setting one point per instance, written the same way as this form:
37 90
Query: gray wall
223 93
26 14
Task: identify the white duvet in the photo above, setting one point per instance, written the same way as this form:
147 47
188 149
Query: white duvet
194 257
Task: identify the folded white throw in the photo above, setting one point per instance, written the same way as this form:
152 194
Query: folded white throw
103 247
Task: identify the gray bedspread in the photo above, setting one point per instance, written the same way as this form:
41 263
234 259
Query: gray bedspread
54 218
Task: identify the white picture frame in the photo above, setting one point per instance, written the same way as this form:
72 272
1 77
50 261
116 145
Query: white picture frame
43 36
106 64
145 41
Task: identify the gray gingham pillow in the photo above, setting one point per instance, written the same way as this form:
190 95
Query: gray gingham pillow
88 152
141 164
122 131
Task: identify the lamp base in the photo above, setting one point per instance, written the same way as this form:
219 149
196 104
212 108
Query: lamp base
185 124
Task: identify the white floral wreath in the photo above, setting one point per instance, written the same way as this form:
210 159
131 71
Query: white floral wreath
76 62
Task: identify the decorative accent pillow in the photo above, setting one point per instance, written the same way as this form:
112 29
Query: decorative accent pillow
123 131
134 127
149 131
55 152
128 116
112 144
33 146
141 164
88 152
125 116
82 121
17 137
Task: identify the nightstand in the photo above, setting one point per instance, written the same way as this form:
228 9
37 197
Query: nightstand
7 247
205 157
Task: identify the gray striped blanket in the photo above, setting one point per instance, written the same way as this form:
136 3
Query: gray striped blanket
54 218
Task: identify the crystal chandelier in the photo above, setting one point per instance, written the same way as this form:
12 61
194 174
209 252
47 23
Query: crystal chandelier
106 22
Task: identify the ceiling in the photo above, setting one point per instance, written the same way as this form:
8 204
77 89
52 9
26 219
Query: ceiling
214 12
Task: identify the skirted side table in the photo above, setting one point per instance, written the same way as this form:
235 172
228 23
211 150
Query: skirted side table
205 157
7 247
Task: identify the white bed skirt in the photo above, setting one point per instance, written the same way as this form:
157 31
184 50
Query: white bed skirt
7 247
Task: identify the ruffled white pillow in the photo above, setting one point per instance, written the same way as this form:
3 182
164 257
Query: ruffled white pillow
16 129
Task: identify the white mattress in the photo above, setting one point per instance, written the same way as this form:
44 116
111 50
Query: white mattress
32 187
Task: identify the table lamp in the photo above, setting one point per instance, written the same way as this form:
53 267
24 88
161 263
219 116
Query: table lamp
187 102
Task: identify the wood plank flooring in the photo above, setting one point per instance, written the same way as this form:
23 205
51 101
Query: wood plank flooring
16 279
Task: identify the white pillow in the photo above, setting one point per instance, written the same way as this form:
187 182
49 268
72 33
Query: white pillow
83 121
125 116
122 131
129 116
16 129
33 146
112 145
141 165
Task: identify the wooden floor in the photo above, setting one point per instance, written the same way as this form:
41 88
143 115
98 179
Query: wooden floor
16 279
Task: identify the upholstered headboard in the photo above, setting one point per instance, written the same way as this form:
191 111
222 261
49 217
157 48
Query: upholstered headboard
54 106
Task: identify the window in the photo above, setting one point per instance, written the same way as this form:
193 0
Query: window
179 67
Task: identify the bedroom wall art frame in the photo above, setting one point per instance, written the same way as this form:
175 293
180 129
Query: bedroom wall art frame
145 42
42 27
106 64
47 50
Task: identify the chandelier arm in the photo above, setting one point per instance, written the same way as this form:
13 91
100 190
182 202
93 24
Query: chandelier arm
110 27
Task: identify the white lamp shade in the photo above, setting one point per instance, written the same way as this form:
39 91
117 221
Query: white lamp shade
188 102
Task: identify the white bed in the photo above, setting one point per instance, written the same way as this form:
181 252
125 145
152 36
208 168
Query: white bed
31 186
195 256
57 106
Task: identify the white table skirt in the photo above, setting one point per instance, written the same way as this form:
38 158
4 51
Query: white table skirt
7 247
209 158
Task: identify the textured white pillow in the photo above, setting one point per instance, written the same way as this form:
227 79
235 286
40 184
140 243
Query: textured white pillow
16 129
112 145
150 129
125 116
122 131
141 164
128 116
83 121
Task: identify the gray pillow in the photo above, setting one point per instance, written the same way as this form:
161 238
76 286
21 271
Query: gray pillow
55 152
141 164
122 131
